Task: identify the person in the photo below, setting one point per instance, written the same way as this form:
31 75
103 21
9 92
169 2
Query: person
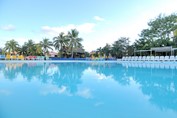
44 57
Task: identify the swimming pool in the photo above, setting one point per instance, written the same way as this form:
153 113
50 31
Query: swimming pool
88 90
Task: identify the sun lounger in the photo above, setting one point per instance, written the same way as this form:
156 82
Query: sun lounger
8 57
41 57
166 58
132 58
156 58
126 58
161 58
148 58
2 57
139 58
123 59
13 57
135 58
143 58
21 57
172 58
152 58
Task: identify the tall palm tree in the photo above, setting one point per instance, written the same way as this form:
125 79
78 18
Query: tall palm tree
11 46
38 48
23 50
46 44
74 40
107 50
30 46
60 42
100 50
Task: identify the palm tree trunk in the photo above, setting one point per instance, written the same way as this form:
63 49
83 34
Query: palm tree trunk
72 52
61 53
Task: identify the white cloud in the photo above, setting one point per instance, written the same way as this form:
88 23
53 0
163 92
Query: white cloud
8 27
98 18
53 89
20 40
4 92
52 70
97 104
85 93
54 31
96 75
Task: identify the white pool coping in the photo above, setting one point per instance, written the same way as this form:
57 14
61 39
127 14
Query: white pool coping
86 61
56 61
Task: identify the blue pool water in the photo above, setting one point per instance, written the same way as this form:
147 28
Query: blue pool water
88 90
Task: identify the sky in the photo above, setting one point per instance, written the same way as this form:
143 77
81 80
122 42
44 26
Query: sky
98 21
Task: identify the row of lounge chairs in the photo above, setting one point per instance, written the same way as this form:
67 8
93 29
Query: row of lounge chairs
36 58
14 57
150 58
21 57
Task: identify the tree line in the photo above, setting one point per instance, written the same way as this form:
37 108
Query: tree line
161 31
63 43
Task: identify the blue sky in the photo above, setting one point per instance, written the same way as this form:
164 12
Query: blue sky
98 21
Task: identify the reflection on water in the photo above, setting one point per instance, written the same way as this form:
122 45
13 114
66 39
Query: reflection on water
157 82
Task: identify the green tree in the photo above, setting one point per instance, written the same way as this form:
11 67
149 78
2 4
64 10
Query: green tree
11 46
100 51
30 47
74 40
120 47
175 34
46 44
23 50
38 48
60 42
159 33
107 50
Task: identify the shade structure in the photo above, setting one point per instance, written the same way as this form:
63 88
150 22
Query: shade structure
158 49
162 49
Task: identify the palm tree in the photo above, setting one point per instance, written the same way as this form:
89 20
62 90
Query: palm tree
30 46
11 46
23 50
38 48
46 44
100 50
60 42
74 40
117 49
107 50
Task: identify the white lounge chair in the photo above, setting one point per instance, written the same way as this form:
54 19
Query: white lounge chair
132 58
161 58
156 58
172 58
167 58
136 58
143 58
147 58
139 58
152 58
123 59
